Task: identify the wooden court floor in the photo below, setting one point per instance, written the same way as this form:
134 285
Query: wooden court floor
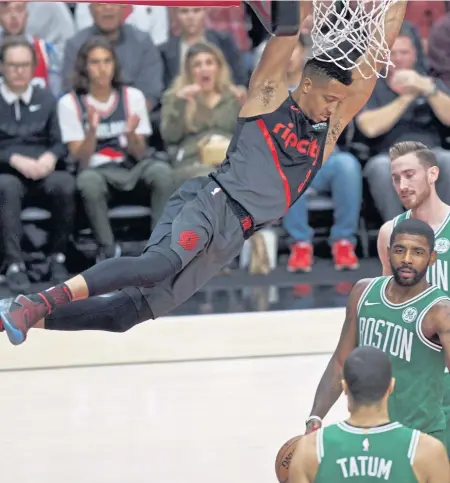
202 419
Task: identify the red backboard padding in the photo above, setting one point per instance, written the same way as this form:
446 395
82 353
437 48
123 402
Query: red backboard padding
174 3
200 3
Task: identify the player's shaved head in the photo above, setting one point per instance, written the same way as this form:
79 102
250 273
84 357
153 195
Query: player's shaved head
368 374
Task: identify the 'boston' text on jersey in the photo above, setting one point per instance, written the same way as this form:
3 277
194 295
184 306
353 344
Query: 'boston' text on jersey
390 338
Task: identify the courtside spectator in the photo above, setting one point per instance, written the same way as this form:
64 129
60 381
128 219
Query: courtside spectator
32 164
406 106
13 20
424 14
340 176
139 58
439 50
192 22
151 19
106 126
199 113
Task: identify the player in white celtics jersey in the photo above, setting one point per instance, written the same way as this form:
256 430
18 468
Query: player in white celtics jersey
414 174
407 318
368 446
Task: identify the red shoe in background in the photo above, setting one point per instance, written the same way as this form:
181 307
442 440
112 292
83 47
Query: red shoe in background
301 258
344 256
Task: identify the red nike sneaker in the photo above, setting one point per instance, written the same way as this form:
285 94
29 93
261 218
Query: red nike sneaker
20 317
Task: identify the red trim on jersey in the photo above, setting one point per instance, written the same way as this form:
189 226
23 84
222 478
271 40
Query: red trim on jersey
110 153
41 69
276 160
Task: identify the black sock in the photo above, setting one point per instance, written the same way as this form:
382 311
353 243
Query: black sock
53 297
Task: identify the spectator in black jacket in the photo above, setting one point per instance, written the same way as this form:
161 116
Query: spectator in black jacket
30 149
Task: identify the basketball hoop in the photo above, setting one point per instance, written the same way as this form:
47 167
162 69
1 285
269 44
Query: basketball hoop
351 34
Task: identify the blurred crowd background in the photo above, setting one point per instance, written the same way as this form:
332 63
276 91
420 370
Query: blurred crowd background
107 109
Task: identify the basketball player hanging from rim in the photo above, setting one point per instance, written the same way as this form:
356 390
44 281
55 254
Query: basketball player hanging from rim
280 142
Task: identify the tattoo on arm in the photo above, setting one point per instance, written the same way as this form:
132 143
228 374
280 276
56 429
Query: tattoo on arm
334 132
267 93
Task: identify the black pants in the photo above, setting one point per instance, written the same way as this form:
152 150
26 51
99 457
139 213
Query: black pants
55 193
117 313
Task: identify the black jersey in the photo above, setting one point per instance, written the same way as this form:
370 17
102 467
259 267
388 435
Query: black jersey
271 160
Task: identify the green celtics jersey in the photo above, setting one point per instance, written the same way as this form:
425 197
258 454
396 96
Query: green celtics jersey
438 273
382 453
417 363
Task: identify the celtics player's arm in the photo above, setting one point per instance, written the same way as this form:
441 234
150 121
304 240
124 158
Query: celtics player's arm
382 245
268 84
431 461
330 386
364 79
304 464
437 324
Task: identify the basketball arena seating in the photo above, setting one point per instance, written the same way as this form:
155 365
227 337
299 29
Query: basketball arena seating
131 222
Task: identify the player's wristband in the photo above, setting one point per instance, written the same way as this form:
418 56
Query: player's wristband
313 418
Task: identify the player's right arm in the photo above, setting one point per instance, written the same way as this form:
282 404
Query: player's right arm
431 461
330 385
268 84
382 245
304 464
364 81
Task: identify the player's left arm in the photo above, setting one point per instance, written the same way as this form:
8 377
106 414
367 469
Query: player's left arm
439 316
304 464
362 86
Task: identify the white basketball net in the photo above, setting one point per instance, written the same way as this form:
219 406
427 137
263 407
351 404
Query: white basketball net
351 34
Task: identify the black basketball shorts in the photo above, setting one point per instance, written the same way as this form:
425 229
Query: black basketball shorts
199 226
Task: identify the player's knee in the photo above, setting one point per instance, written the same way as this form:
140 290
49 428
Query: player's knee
138 310
126 315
